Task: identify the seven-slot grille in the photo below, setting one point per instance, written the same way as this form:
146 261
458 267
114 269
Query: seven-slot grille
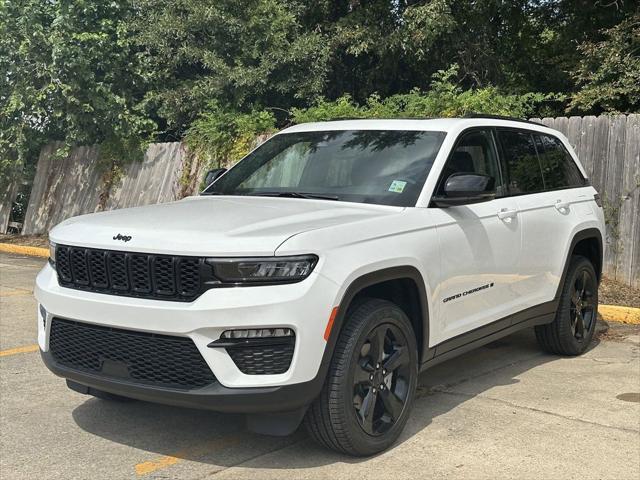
130 274
136 357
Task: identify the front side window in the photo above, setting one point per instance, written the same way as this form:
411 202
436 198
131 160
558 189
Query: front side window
474 153
521 161
558 167
387 167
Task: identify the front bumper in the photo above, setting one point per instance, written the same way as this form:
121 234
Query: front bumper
304 307
216 397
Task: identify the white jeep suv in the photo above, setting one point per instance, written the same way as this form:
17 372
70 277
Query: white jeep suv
316 278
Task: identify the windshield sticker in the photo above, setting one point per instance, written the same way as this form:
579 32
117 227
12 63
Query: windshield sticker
397 186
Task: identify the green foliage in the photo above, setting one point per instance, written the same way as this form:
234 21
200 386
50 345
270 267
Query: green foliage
124 73
609 72
219 136
444 99
235 53
68 72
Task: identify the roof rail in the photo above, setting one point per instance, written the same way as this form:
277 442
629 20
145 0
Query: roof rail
501 117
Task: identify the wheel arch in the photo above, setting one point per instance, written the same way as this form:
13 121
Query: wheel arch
390 283
588 243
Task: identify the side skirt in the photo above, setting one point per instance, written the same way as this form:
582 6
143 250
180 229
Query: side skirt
538 315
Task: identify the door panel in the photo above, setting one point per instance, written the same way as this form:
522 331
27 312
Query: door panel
549 219
480 245
480 257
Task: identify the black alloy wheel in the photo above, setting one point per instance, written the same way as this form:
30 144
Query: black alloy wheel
583 307
571 331
368 393
381 379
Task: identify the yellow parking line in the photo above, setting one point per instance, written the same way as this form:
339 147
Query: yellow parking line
24 250
615 313
200 450
14 351
16 292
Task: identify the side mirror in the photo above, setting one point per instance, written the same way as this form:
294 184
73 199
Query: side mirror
466 188
213 175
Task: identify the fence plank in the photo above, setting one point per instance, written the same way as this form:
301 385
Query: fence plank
586 151
628 266
613 188
6 203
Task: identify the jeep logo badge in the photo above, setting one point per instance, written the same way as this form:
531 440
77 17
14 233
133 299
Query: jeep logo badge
124 238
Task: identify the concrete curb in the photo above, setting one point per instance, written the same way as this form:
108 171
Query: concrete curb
24 250
616 313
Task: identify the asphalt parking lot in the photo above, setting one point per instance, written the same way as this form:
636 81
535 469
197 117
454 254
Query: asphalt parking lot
504 411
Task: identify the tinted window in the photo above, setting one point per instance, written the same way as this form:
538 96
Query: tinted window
558 168
387 167
521 161
473 153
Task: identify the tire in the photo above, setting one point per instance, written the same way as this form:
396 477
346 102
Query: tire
364 406
572 329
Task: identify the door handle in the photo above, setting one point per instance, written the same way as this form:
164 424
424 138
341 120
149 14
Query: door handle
507 214
562 207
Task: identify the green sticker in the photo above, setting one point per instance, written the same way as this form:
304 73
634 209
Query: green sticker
397 186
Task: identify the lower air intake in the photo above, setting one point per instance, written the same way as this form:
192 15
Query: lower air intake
137 357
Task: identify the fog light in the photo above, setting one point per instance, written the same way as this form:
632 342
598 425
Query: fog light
257 333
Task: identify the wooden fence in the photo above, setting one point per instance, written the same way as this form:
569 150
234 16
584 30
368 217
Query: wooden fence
608 146
74 185
7 196
609 149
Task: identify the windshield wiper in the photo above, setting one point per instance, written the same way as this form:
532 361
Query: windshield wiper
316 196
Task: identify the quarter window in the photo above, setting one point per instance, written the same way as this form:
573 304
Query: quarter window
521 161
559 170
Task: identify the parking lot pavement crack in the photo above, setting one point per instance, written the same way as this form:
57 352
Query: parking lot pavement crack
538 410
613 362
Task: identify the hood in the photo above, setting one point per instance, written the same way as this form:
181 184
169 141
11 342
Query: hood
211 225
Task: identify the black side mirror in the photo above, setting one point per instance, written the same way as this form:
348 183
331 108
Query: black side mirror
213 175
466 188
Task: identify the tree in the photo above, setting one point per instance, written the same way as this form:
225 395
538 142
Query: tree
608 75
240 54
388 47
68 72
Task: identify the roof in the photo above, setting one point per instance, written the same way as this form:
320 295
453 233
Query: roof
431 124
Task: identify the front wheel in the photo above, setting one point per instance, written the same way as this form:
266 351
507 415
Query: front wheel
572 329
368 393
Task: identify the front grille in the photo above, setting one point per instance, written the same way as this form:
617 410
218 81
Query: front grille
262 359
137 357
131 274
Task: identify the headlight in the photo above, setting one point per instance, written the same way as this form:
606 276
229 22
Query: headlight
52 254
261 270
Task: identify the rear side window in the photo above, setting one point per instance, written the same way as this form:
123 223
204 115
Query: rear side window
559 170
521 161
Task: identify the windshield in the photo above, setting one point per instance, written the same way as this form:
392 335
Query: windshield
387 167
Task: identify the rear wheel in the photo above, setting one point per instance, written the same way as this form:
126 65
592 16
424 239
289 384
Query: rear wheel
572 330
368 393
